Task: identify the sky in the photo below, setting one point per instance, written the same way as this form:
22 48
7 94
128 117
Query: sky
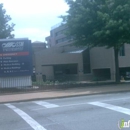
34 18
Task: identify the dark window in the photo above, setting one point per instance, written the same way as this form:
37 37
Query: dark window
65 39
102 74
86 61
34 77
122 51
125 72
67 69
60 32
59 40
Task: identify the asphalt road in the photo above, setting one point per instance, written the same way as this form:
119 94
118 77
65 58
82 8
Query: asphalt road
98 112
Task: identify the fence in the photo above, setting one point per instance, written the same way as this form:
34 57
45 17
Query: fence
64 81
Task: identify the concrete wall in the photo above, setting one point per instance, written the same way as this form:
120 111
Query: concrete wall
37 46
100 57
48 72
55 56
124 61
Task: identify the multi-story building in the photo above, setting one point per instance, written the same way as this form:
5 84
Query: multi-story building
57 36
63 60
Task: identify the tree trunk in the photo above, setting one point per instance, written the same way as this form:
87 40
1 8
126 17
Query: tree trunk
117 74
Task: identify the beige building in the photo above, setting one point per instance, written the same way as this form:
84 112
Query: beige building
59 63
63 61
36 47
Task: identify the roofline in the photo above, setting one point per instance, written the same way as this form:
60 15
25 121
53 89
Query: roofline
57 25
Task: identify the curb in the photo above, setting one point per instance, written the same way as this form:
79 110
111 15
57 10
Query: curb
68 96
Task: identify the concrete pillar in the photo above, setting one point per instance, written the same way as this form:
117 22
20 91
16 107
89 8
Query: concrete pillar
112 74
48 72
80 71
39 78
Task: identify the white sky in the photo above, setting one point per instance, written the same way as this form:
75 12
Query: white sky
34 18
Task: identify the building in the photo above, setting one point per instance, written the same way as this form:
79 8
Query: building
36 46
62 60
57 63
57 36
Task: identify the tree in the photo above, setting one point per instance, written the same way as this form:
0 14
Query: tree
5 27
99 23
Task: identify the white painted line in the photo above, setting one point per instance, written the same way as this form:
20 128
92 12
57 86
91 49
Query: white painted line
46 104
115 99
69 105
62 106
35 125
111 107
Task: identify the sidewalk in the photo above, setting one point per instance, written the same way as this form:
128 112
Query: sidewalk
69 92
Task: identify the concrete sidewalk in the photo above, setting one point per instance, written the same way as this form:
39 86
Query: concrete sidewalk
69 92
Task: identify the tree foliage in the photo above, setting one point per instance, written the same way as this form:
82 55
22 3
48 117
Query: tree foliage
99 23
5 27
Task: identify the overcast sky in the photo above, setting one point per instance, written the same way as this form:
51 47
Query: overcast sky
34 18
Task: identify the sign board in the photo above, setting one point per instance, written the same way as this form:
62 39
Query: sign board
15 57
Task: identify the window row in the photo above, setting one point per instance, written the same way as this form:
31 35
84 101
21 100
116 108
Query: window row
65 39
60 32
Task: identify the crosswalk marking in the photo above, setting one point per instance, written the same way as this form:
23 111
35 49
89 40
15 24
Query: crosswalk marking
46 104
111 107
35 125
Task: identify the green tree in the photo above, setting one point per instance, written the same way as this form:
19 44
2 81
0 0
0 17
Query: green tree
99 23
5 27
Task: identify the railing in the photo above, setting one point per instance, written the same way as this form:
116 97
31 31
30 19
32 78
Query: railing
60 82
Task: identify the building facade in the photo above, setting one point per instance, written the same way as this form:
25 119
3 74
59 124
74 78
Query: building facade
62 60
36 47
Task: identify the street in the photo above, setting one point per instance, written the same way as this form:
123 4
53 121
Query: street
94 112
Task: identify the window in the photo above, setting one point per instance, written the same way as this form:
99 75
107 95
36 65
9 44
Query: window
58 41
60 32
65 39
67 69
122 51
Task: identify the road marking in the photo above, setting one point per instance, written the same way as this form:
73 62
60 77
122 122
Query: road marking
115 99
69 105
111 107
46 104
35 125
